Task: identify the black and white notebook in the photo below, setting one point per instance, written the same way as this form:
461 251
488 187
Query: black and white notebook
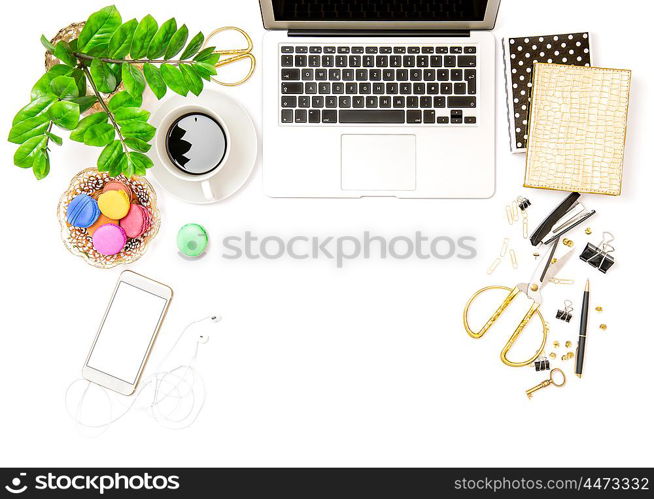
520 53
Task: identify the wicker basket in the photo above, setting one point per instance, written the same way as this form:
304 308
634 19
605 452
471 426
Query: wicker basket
80 243
68 34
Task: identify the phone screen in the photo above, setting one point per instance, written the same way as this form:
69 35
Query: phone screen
121 346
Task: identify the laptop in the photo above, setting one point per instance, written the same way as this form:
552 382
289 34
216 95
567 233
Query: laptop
379 98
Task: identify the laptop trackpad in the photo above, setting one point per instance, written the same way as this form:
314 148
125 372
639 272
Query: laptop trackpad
378 162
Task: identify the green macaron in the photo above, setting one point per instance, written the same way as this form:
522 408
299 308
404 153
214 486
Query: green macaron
192 240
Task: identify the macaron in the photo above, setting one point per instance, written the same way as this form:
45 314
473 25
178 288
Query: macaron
115 185
82 211
109 239
192 240
102 220
137 221
114 204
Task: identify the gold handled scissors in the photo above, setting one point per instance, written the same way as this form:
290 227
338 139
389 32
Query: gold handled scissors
236 55
545 270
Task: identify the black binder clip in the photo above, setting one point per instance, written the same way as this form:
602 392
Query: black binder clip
542 364
565 217
523 203
566 313
599 257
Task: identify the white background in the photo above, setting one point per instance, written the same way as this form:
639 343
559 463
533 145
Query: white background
364 366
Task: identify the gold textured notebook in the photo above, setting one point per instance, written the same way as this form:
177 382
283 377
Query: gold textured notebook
577 128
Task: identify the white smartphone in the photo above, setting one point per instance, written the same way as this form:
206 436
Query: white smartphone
127 332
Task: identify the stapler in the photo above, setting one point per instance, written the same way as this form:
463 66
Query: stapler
565 217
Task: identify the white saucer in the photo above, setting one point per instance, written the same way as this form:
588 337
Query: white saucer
239 163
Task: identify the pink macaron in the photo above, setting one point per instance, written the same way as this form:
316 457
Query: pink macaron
109 239
136 222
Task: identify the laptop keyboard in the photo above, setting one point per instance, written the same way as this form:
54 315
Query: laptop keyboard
378 84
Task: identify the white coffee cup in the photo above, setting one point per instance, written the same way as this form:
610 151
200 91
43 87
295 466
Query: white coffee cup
161 148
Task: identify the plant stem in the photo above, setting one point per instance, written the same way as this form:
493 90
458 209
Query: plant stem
105 107
47 132
132 61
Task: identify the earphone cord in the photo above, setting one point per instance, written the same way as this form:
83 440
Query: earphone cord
195 390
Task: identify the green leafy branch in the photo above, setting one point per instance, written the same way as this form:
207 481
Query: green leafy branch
107 54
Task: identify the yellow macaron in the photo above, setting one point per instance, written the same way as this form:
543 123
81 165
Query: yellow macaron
114 204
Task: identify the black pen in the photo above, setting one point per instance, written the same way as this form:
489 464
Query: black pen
581 348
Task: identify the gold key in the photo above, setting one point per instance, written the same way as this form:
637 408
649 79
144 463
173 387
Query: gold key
548 382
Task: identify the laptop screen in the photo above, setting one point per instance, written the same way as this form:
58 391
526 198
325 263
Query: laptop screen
354 11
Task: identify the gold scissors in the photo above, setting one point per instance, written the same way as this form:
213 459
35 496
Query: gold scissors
236 55
546 269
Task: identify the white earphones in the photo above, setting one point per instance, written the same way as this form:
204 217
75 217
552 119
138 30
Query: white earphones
177 398
215 319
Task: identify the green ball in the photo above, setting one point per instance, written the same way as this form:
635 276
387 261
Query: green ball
192 240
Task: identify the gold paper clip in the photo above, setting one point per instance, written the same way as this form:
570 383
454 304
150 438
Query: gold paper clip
560 280
236 55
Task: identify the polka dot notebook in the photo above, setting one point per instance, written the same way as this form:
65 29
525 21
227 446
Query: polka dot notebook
520 53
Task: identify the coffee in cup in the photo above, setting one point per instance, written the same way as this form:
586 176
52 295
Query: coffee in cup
196 143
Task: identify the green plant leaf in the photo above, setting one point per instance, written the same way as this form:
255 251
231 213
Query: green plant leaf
32 120
25 130
208 56
99 135
211 59
121 40
142 37
60 70
123 99
24 155
109 156
41 164
162 37
138 163
64 114
35 109
116 70
94 119
192 79
125 115
193 46
102 76
155 80
64 53
55 138
133 80
205 71
177 42
174 79
120 166
204 53
80 79
42 86
47 44
85 103
98 30
137 144
64 87
138 130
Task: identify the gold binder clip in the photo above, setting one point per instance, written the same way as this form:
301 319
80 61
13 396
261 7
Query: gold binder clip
235 55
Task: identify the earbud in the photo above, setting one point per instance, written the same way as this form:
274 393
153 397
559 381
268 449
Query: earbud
215 319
